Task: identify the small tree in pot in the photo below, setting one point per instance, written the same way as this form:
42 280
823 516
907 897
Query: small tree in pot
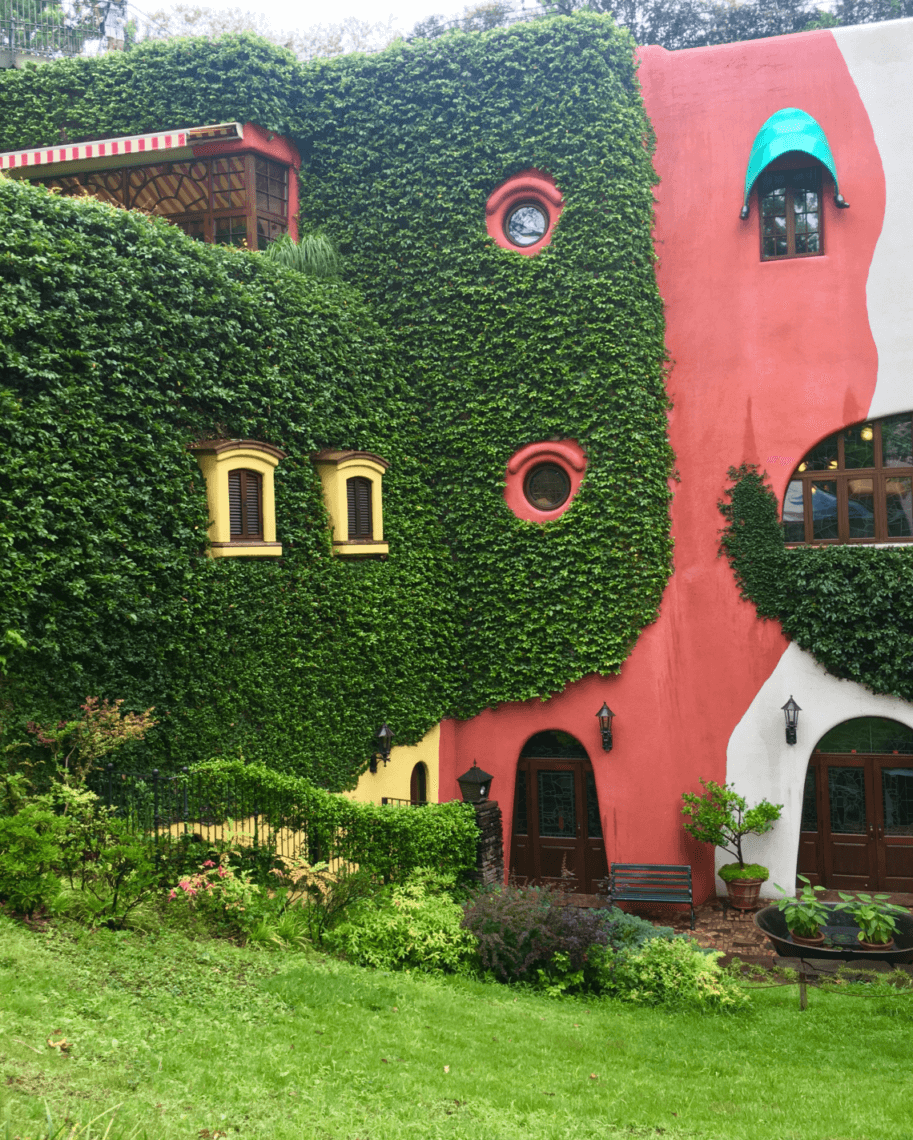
722 817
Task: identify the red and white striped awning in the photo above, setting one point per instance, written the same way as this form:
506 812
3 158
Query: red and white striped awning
155 144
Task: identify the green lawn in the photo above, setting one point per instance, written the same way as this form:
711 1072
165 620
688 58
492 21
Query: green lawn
191 1039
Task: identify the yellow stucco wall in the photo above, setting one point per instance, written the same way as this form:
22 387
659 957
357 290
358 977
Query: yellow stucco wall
394 779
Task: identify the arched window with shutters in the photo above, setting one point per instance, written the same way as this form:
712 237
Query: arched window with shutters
245 503
358 501
240 494
352 491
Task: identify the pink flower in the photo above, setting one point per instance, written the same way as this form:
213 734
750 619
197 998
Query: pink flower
209 863
222 872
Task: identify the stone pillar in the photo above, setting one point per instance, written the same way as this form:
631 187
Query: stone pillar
490 852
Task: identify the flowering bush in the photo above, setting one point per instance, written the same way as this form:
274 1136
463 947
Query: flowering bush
223 897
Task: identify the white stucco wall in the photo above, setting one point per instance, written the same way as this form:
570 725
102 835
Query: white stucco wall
880 60
760 764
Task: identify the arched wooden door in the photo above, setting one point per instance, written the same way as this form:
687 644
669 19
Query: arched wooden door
857 812
557 831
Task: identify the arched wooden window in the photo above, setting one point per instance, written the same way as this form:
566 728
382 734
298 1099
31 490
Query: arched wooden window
418 785
358 492
245 504
855 486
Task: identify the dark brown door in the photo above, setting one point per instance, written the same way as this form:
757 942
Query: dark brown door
557 832
857 823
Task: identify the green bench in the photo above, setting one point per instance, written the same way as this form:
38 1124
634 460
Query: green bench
651 882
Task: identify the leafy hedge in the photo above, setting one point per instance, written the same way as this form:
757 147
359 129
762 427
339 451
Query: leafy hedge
120 340
851 607
390 841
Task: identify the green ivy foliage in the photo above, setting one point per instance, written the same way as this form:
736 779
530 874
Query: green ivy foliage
157 85
851 607
390 841
121 340
500 350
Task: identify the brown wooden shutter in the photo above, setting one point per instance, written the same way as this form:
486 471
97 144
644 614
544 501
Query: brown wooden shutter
358 494
245 504
234 503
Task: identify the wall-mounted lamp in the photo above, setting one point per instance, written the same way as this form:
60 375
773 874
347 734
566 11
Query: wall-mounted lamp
384 740
475 785
791 711
605 715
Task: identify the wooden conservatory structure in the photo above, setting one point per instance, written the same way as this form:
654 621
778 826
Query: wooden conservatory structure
224 183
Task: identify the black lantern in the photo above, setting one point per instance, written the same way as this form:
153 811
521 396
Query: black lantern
791 711
475 785
385 743
605 715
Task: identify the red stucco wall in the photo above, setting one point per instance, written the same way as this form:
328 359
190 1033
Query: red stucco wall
767 359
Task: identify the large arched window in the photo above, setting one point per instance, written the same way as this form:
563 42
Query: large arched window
856 486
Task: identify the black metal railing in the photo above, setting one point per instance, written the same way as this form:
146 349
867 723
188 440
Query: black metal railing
184 807
31 28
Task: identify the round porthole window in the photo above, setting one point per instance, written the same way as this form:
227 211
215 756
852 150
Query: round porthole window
526 224
547 486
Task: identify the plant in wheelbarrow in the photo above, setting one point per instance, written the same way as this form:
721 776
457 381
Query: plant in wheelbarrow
722 817
875 917
805 913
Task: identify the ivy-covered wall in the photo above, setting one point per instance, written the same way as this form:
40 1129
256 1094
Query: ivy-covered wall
851 607
455 354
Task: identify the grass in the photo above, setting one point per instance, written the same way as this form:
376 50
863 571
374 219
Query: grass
177 1039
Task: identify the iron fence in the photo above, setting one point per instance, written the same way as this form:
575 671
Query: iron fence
186 808
34 28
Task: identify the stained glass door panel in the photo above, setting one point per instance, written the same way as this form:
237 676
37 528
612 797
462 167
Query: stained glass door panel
559 849
849 855
894 826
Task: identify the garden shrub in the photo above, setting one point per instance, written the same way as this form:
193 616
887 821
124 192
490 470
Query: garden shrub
29 852
110 870
530 934
415 925
223 898
673 972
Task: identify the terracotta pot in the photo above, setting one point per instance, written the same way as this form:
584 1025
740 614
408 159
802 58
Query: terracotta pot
744 893
876 945
806 939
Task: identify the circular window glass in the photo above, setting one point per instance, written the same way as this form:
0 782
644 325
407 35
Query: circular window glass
526 224
547 486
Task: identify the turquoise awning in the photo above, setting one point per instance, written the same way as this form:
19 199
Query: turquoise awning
789 129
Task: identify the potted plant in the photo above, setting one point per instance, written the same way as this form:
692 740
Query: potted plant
722 817
874 915
805 914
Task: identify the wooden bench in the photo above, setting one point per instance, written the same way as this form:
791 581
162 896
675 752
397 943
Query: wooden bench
651 882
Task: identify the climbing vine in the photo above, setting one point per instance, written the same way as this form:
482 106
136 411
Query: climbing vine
440 351
851 607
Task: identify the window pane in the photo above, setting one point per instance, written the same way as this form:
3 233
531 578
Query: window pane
231 231
794 512
593 822
861 507
897 798
557 815
520 821
899 502
868 734
194 229
268 231
228 187
859 446
272 186
897 441
809 802
846 788
824 510
822 457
